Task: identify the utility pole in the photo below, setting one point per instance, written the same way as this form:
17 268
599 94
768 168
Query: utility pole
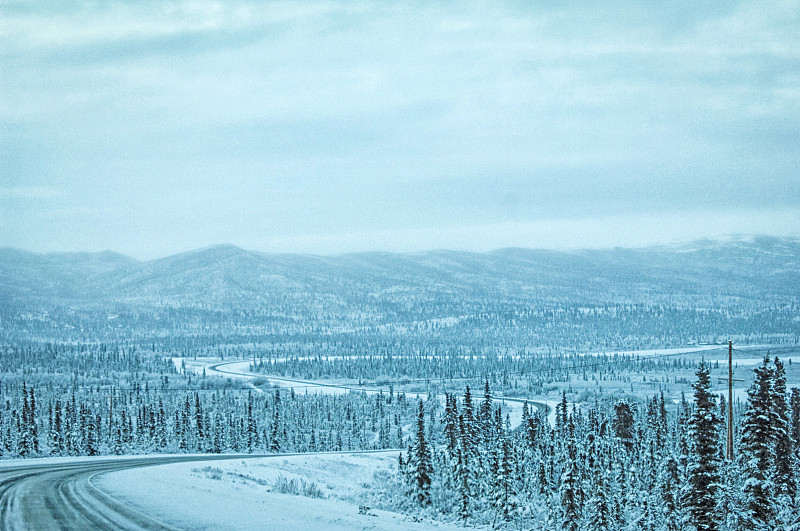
730 401
110 413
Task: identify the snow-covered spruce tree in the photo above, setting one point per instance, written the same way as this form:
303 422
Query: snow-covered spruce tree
657 432
463 476
33 429
704 460
469 418
562 410
275 436
571 490
783 473
669 482
599 513
485 421
795 429
24 440
161 426
623 424
757 445
505 495
682 434
451 424
420 461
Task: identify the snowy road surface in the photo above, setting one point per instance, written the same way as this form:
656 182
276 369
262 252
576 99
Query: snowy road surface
60 494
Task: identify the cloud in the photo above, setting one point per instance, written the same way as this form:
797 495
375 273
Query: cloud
396 116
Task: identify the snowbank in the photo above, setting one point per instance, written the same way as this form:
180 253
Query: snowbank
242 494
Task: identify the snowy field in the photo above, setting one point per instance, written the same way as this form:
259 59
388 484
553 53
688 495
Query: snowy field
246 493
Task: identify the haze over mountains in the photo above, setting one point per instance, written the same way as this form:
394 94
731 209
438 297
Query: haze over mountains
226 287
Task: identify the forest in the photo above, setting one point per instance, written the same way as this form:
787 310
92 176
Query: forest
616 461
613 465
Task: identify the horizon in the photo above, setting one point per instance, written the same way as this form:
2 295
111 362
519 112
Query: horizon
729 238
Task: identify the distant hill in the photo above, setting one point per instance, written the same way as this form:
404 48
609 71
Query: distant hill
759 267
235 285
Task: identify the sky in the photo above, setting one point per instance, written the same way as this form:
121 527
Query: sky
154 127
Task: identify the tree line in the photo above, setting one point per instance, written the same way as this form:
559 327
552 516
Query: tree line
90 421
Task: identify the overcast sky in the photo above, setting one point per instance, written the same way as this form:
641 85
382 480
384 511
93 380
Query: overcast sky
153 127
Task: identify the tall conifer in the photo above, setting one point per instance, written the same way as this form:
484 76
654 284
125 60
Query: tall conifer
705 461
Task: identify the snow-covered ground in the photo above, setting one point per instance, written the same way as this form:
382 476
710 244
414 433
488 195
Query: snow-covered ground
243 493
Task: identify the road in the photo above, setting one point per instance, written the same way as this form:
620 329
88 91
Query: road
61 496
241 369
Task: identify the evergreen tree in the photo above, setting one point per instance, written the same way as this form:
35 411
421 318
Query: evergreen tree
252 430
463 478
668 484
57 433
622 424
562 410
119 448
451 424
421 462
484 422
94 423
571 492
757 445
783 474
599 517
469 415
275 445
795 429
198 422
161 426
504 496
33 430
23 429
704 467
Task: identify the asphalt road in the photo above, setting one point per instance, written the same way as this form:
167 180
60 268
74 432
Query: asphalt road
61 496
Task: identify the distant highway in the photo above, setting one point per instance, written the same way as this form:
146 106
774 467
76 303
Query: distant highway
231 369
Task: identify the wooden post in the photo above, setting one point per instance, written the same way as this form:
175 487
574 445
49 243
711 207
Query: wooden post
110 414
730 401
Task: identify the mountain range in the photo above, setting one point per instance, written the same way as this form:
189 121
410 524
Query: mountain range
761 267
751 273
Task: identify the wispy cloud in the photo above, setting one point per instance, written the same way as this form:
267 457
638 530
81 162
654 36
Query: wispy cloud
397 115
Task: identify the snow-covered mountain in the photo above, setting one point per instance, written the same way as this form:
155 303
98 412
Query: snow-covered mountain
232 287
757 267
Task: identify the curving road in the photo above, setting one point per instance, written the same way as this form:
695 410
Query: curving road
61 496
241 369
